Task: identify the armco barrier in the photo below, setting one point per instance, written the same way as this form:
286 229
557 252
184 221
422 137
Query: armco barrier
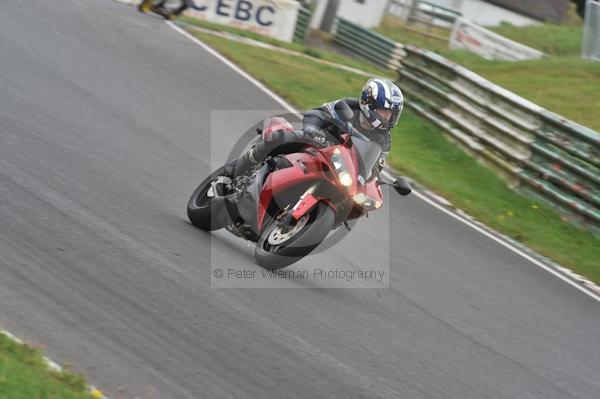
367 44
302 24
543 153
539 152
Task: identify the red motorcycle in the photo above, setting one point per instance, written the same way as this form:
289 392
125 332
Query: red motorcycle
290 202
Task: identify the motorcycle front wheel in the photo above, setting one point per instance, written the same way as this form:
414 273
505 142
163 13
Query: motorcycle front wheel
280 245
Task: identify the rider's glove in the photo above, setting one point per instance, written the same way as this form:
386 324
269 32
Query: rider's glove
316 137
380 162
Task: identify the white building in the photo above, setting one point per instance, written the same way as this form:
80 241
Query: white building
515 12
366 13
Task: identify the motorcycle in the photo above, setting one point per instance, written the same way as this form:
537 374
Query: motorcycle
290 202
169 9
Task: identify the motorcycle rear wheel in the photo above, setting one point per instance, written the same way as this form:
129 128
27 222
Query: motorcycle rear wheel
203 211
274 250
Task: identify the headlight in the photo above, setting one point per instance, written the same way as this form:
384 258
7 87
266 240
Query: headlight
360 198
345 179
336 160
366 202
369 203
338 163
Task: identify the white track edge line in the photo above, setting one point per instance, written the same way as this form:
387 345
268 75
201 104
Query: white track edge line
419 195
510 246
236 68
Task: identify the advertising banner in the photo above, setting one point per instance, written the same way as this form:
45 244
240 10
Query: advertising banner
275 18
488 44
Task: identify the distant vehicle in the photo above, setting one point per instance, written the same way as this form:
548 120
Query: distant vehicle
290 202
169 9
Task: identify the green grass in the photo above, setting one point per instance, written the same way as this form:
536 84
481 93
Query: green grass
421 151
300 81
563 82
552 39
566 85
24 375
301 48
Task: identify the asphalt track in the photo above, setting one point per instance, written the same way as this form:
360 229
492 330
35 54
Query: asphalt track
104 134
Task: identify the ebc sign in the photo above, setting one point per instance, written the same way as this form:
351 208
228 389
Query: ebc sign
243 10
276 18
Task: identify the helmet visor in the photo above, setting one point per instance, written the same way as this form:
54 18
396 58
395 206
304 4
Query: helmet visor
388 117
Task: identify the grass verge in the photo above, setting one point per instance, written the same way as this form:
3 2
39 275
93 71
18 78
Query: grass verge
301 48
25 375
563 82
421 151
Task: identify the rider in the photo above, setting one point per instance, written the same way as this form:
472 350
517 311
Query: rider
375 113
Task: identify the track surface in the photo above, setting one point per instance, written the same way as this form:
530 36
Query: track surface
103 135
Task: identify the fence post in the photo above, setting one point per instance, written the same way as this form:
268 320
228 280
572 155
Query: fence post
302 24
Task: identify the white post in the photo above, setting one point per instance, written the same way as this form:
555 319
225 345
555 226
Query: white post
317 16
590 47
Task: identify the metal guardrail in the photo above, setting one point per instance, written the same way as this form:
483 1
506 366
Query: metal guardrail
424 12
542 153
539 152
302 24
432 11
367 44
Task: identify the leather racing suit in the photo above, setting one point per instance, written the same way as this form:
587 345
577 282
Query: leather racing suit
319 126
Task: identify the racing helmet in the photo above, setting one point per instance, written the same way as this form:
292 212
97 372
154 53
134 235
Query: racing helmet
381 103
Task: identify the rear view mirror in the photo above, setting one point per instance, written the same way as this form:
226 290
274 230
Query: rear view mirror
344 111
402 186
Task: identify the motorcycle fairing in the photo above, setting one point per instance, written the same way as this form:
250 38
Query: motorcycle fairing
305 204
276 123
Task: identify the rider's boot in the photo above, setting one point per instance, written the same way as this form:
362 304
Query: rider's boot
240 165
247 161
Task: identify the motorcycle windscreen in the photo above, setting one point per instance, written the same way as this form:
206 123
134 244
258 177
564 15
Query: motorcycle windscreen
368 153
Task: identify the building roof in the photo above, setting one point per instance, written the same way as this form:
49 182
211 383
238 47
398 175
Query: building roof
543 10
